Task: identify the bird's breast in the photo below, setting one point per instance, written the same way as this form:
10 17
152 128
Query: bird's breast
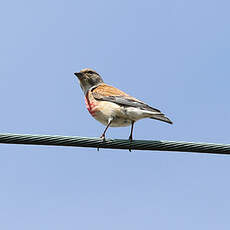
91 104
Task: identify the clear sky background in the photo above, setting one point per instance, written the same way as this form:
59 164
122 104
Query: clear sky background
174 55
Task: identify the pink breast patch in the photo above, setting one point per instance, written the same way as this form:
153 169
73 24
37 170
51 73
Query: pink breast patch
91 106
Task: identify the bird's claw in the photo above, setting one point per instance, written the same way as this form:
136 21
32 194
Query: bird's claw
103 139
130 140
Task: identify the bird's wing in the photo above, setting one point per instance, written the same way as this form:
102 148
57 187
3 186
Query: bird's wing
105 92
109 93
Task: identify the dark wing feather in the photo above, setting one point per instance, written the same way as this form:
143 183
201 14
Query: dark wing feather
125 101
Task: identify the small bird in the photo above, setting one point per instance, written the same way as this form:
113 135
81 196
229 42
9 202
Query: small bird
111 106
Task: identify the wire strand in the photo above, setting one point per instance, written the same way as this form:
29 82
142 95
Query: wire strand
75 141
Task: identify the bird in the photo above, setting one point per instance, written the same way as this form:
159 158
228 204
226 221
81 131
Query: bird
111 106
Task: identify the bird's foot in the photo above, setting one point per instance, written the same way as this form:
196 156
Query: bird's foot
130 140
103 139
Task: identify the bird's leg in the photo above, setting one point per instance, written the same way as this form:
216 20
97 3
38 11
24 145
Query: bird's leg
103 134
109 123
131 134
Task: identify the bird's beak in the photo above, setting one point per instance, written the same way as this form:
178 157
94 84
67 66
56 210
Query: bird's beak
79 75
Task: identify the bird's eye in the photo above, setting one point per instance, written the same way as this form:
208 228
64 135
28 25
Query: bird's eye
90 72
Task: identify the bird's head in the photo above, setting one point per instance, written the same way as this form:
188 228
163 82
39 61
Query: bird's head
88 78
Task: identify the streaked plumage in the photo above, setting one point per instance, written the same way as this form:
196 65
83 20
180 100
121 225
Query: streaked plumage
111 106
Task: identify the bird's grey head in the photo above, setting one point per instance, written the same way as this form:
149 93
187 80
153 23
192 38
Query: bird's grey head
88 78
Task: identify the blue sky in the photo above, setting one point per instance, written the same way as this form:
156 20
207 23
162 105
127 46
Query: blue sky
174 55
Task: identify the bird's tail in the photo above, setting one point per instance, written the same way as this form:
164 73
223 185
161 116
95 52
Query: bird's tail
161 117
156 114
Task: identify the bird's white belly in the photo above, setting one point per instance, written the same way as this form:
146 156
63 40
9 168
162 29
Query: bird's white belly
117 121
120 115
